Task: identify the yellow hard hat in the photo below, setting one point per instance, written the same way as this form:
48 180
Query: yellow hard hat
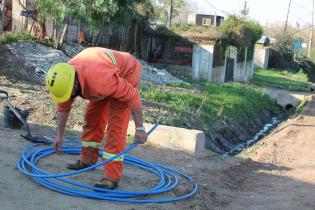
60 81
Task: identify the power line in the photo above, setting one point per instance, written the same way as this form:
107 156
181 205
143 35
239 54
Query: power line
220 10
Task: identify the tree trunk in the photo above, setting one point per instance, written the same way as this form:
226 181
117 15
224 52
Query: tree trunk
62 36
1 21
43 29
54 36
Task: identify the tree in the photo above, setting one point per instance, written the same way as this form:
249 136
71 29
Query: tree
168 10
90 13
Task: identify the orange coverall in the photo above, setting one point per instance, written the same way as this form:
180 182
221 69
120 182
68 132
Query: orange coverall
109 80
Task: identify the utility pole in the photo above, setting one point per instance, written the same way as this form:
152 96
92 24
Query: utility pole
171 13
286 21
311 32
266 27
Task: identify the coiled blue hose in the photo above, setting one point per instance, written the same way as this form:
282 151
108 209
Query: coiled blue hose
169 178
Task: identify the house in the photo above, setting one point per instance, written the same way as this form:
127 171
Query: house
205 19
185 54
199 56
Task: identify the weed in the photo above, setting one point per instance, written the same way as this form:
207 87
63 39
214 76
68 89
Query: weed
235 101
14 37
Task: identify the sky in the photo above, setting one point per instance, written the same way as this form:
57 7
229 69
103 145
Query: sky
264 11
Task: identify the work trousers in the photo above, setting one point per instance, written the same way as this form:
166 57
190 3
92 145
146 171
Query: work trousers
112 115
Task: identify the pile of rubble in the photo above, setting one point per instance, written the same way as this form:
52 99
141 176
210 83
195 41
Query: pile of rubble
157 76
41 58
72 49
37 56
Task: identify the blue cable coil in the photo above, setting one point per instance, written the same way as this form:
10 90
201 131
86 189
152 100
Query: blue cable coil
169 178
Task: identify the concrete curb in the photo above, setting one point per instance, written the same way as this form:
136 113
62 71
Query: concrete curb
189 141
186 140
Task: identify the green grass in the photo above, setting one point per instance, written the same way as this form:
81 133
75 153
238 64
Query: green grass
234 101
276 78
14 37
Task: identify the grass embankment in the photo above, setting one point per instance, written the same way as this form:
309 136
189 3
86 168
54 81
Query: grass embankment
295 81
199 109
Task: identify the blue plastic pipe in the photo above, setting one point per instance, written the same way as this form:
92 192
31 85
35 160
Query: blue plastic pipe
169 178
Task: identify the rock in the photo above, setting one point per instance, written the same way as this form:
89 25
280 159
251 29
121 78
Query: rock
38 70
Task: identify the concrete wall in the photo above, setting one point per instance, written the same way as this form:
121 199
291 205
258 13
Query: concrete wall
192 19
261 57
202 66
243 71
218 74
18 21
50 27
72 33
178 70
202 62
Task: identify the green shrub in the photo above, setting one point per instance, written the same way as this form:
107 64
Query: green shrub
241 31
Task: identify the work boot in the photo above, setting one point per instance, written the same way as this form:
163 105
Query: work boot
78 165
106 184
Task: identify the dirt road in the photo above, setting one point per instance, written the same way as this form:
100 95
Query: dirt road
281 175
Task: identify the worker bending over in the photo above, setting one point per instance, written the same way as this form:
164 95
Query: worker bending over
109 80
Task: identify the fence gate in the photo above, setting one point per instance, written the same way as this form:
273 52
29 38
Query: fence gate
230 61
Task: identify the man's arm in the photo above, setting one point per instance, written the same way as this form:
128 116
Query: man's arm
62 118
140 134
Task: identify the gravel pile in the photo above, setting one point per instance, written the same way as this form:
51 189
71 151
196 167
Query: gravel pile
157 76
37 56
72 49
41 58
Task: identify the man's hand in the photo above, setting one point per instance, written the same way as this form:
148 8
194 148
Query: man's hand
141 136
58 145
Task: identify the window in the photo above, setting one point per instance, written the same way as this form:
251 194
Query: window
206 21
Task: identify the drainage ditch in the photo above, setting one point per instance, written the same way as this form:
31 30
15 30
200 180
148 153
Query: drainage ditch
231 139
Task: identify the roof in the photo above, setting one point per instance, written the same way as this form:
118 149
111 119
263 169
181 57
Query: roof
194 37
209 14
